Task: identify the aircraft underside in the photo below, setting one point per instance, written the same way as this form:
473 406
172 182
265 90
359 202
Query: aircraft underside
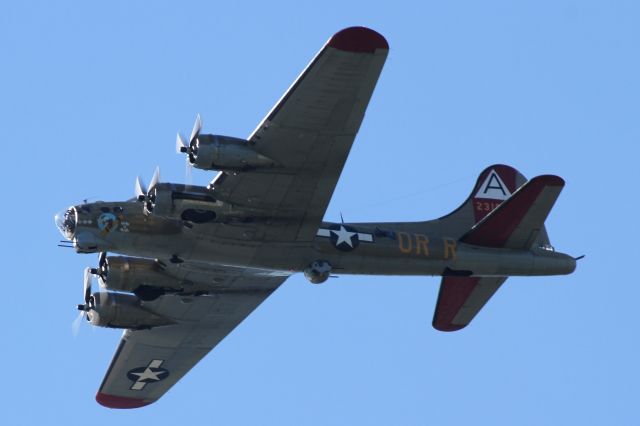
181 266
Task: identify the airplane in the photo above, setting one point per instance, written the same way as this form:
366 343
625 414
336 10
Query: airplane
181 266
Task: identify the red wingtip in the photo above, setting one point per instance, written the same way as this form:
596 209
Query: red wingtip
113 401
359 40
447 327
550 180
454 291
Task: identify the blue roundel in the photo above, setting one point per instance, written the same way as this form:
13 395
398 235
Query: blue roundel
107 222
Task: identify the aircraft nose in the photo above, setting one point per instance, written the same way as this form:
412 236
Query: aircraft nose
66 221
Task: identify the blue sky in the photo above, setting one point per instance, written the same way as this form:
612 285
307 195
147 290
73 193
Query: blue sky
92 94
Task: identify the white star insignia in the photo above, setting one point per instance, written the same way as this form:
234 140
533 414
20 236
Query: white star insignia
148 374
344 236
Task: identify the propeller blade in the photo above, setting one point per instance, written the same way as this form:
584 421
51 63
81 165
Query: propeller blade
181 147
101 270
155 179
141 191
102 258
86 290
187 172
75 325
196 130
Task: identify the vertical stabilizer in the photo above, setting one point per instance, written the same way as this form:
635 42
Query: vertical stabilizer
495 184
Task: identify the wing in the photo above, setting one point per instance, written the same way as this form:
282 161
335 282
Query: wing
309 133
461 298
147 363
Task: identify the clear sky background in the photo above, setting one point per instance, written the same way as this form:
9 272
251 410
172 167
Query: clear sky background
92 94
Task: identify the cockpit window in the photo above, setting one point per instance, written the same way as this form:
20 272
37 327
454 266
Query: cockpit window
66 222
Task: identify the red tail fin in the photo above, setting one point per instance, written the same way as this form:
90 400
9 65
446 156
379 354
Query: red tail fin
494 185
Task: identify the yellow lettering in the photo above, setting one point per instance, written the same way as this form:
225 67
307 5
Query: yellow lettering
405 243
450 247
422 244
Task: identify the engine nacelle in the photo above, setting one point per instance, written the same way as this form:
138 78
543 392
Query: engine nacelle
136 275
215 152
117 310
175 201
193 204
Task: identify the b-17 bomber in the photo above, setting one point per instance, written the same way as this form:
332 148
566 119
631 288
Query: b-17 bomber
180 266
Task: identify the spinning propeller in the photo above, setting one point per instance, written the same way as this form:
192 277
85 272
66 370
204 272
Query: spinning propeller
89 300
86 291
103 269
141 191
147 196
192 148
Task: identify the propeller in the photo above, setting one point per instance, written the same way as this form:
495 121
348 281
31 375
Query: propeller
102 264
181 147
103 268
192 148
155 179
88 301
197 126
86 291
75 325
141 191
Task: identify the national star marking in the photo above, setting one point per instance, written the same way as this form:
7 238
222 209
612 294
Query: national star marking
148 374
344 236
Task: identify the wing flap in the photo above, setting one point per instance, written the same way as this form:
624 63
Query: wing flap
461 298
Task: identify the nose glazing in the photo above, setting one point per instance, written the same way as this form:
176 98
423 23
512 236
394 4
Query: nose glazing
66 222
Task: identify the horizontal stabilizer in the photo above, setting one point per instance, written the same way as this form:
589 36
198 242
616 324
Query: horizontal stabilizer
517 222
461 298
